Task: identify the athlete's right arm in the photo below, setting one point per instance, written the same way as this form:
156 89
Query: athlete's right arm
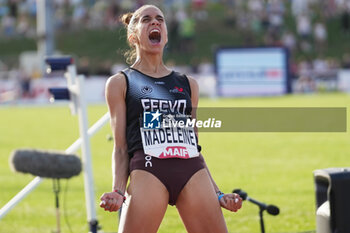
115 97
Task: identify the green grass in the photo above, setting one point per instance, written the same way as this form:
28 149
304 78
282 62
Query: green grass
272 167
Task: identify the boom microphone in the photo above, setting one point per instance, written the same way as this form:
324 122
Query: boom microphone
49 164
271 209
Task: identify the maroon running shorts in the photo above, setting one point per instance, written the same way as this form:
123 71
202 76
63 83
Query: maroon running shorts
174 173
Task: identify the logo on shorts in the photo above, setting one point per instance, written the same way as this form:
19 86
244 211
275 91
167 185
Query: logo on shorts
146 89
152 120
148 162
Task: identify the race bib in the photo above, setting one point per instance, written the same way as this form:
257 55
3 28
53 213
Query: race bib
169 142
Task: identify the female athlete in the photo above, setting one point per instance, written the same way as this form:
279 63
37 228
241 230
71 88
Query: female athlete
164 165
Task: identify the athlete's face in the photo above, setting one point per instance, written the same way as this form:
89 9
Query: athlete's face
151 31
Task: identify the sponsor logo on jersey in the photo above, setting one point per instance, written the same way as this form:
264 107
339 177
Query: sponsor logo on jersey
159 82
146 89
176 89
174 152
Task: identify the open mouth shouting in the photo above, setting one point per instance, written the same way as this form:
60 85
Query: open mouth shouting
155 36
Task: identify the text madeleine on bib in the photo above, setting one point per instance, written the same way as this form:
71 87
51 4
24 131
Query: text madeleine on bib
170 142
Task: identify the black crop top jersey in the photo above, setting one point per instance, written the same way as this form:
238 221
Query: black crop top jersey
171 93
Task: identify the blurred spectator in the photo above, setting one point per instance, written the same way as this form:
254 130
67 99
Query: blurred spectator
345 19
256 7
13 6
60 18
97 16
305 46
113 11
129 5
25 86
75 2
4 10
275 9
242 20
59 3
300 7
320 35
288 41
255 24
333 64
84 66
304 26
187 33
265 21
304 68
8 24
173 29
79 16
304 30
320 67
329 8
31 7
346 61
230 18
141 3
22 25
199 9
194 65
305 84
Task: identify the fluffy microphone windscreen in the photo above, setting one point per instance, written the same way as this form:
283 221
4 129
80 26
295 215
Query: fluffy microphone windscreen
49 164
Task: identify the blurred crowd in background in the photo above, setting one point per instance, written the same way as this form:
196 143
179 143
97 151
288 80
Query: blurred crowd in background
299 25
18 17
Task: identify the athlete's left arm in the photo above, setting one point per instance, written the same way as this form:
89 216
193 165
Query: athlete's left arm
230 201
